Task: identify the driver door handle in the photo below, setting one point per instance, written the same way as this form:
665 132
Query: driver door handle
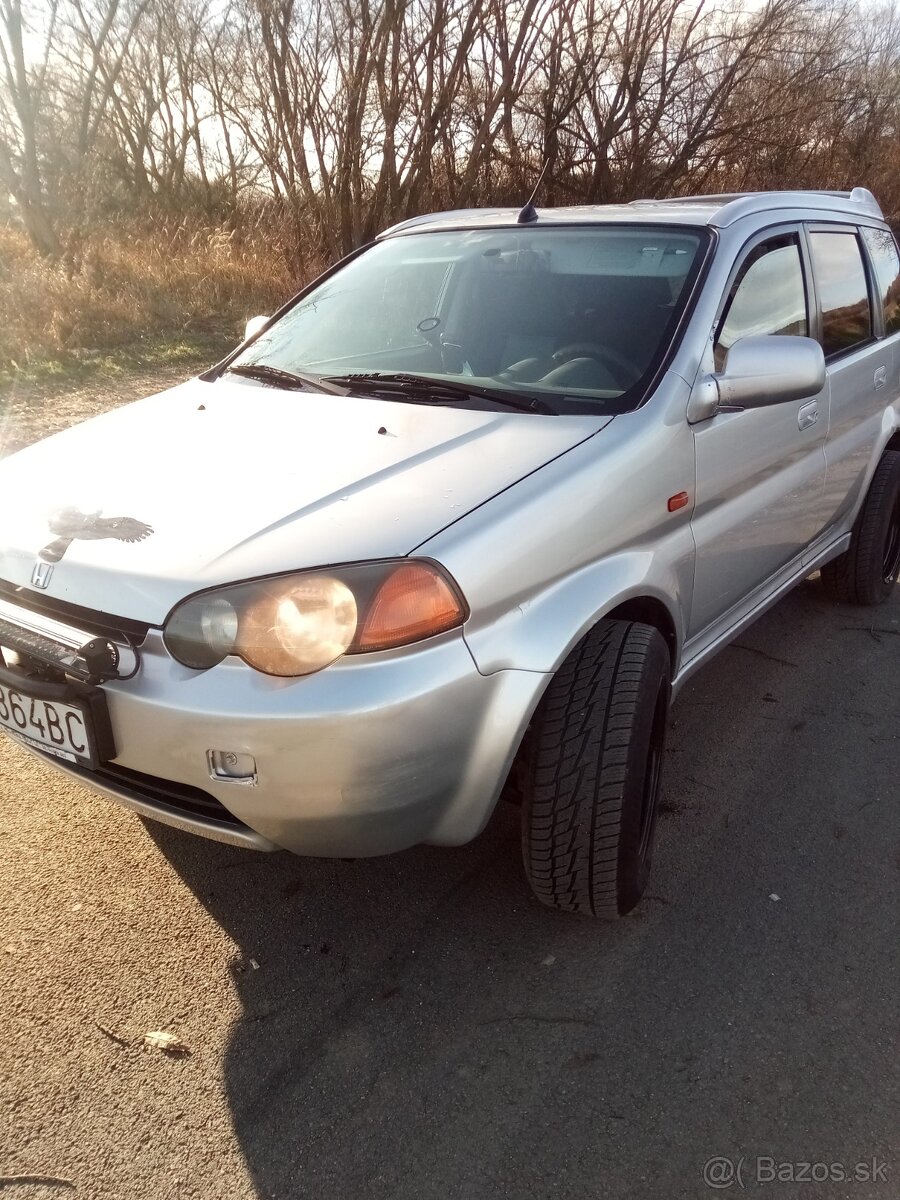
808 415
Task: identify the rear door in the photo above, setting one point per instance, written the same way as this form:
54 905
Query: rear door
760 472
850 267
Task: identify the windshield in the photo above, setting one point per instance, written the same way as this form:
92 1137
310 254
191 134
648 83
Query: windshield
575 318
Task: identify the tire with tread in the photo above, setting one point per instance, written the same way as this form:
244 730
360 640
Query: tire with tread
863 574
592 764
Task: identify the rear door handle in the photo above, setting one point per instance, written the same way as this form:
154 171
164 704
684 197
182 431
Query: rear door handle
808 415
880 378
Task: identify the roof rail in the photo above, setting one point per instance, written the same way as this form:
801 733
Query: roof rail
719 198
856 203
733 205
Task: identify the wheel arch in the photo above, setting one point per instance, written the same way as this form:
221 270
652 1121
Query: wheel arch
649 610
645 609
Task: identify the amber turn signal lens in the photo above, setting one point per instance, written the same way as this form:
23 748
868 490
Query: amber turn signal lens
679 500
414 602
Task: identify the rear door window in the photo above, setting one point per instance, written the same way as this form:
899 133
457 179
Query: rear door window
843 290
883 252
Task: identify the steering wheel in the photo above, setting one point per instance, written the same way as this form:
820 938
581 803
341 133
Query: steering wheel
624 371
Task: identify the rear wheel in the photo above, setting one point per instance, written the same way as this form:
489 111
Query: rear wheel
867 572
593 762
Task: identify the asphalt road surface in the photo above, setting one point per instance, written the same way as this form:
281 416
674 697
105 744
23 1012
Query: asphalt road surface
418 1027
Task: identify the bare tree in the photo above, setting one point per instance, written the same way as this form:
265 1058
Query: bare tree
332 118
21 106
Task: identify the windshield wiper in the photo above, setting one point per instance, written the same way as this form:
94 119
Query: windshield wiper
423 389
278 378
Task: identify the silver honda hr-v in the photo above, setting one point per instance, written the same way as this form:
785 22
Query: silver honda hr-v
468 509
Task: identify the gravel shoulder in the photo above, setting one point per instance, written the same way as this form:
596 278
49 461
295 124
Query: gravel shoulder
418 1027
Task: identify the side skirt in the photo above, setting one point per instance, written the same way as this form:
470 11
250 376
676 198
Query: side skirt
700 649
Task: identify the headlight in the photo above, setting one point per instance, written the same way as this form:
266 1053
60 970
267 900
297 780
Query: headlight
296 624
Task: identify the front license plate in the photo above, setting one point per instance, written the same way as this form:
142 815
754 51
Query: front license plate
62 729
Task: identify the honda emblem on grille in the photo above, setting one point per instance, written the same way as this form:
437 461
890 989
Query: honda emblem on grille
40 576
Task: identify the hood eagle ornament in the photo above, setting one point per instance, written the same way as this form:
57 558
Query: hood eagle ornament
70 524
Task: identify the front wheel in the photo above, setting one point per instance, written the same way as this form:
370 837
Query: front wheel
593 762
867 572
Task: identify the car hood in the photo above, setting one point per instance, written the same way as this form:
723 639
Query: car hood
215 482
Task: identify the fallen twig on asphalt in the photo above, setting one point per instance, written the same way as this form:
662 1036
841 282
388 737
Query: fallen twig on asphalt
542 1019
785 662
113 1037
35 1180
872 630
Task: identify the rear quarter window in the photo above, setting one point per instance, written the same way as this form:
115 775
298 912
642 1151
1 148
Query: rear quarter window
883 252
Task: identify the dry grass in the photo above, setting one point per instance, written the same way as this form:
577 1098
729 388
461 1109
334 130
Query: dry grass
133 284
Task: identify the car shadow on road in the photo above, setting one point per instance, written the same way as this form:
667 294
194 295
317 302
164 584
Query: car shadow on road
418 1026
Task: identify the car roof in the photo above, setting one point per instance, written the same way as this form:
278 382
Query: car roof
719 211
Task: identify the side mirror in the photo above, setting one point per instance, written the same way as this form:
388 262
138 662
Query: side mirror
253 326
760 371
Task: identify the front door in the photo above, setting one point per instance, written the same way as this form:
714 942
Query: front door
760 472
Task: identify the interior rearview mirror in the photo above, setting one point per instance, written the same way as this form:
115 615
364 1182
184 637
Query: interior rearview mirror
253 326
773 369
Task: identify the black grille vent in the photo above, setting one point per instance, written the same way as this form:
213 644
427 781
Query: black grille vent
162 793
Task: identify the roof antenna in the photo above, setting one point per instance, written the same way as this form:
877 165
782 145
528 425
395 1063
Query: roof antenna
528 214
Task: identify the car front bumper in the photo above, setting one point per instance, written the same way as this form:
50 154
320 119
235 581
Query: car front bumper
372 755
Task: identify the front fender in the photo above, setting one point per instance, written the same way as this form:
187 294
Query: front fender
545 560
539 633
